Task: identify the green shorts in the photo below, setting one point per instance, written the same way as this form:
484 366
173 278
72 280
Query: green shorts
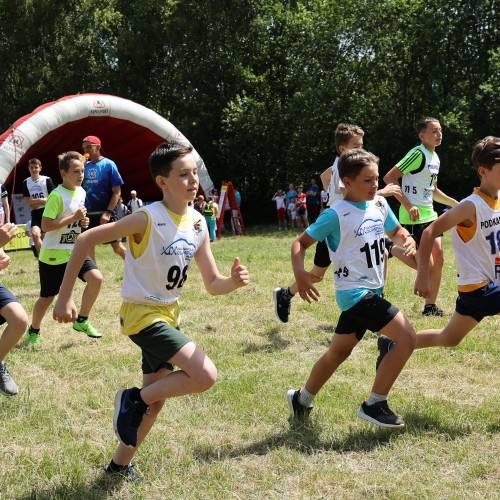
159 343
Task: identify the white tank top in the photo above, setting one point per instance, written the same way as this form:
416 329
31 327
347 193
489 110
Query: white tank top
65 237
359 258
158 275
334 191
478 260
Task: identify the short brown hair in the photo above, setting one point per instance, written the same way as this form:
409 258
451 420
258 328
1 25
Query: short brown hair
486 152
66 158
352 162
34 161
345 132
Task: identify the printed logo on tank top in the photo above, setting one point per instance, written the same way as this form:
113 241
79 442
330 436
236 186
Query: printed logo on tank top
180 247
369 226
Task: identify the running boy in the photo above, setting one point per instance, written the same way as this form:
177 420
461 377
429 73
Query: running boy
12 313
354 229
36 190
62 221
475 232
419 171
347 137
163 239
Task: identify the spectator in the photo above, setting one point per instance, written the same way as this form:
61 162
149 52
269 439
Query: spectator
121 209
280 199
102 183
4 206
300 203
199 204
313 201
210 210
36 190
134 203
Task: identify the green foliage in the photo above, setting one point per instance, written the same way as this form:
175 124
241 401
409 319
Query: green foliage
259 86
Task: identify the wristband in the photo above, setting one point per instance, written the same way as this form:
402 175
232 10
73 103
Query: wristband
108 211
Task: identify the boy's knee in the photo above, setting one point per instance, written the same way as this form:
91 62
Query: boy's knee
206 378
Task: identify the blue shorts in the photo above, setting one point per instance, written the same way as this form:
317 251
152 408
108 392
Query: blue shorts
478 304
6 297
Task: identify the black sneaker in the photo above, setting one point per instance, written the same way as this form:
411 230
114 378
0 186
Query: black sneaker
433 310
297 409
282 303
128 416
384 345
380 414
7 386
125 471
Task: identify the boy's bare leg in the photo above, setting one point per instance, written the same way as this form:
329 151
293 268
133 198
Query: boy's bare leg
124 454
91 291
435 274
39 310
339 350
449 336
402 333
36 234
119 249
196 374
17 322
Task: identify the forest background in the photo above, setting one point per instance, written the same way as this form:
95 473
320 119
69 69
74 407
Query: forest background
258 86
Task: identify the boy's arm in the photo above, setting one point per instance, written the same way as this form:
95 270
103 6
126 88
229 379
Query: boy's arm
400 236
216 283
49 224
305 280
392 177
326 177
7 232
464 213
390 189
443 198
135 224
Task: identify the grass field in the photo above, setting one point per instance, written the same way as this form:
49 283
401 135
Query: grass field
236 441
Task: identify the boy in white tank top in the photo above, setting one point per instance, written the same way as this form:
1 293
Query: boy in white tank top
475 224
354 230
163 237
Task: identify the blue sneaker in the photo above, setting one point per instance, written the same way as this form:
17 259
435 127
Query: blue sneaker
128 415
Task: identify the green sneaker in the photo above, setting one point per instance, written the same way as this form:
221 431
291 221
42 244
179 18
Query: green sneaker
32 337
86 327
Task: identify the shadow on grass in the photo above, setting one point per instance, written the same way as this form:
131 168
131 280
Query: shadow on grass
305 437
275 342
102 487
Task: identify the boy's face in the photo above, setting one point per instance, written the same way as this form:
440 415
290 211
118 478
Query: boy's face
491 177
182 181
355 141
74 176
432 136
364 186
34 169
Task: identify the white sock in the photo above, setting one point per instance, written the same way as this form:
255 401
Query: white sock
306 398
376 398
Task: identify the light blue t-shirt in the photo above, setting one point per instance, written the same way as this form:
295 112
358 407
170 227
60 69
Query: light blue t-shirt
327 228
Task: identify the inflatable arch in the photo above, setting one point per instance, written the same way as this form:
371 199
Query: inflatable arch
128 131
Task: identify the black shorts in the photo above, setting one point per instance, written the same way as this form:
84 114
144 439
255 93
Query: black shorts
6 297
321 255
159 343
478 304
95 221
51 277
36 217
416 230
372 312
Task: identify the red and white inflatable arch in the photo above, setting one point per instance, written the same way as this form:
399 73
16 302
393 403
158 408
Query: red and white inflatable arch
128 131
